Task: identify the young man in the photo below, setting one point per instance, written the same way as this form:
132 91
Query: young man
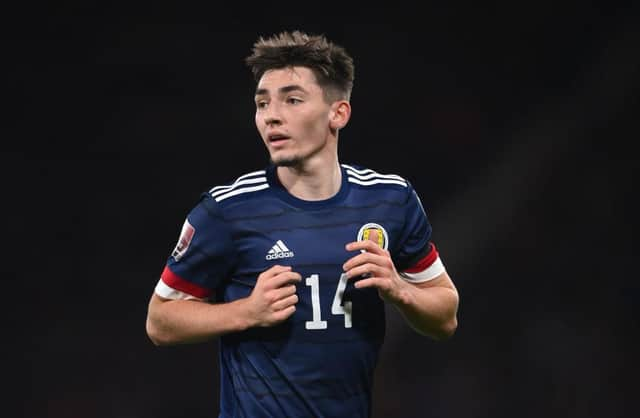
290 266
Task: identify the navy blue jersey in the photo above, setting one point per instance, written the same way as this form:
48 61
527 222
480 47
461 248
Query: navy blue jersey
320 362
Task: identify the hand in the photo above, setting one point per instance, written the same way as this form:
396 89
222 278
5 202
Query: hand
273 298
376 266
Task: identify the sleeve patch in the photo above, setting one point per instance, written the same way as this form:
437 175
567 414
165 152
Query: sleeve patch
186 235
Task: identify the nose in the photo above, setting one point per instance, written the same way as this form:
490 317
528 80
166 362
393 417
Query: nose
272 120
272 115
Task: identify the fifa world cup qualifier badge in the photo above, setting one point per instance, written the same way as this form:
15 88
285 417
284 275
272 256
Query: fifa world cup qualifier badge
186 235
366 230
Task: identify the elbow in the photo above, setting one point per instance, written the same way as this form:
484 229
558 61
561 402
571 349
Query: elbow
450 328
156 335
446 330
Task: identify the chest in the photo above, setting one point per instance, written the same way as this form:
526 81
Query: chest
311 239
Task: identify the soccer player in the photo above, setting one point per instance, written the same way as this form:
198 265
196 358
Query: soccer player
290 266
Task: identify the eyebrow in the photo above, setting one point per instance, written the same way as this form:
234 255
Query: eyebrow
283 89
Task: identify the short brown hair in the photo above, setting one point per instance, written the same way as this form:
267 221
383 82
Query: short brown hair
330 63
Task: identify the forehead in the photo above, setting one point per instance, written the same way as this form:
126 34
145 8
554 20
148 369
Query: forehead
274 79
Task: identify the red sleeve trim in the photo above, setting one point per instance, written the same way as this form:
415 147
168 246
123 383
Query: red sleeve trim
425 262
178 283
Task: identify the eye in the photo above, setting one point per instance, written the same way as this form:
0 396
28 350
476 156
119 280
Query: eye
261 104
293 100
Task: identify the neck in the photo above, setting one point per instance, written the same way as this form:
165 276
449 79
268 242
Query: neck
318 181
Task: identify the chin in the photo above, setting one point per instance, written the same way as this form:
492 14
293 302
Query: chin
286 161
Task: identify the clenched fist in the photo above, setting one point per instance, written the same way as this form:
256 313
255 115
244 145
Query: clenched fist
273 298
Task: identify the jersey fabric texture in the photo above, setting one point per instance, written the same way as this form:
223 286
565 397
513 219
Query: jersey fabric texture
320 362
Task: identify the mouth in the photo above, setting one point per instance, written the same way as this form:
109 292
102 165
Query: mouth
276 139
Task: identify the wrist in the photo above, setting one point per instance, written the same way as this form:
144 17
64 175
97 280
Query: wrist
244 315
404 296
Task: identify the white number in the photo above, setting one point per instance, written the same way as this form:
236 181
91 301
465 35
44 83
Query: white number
317 323
336 307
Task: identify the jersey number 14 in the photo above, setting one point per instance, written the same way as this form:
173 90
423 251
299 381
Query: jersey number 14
337 307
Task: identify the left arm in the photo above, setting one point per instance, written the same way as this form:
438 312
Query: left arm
430 307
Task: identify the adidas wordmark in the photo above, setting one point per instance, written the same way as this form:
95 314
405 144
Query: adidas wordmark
279 250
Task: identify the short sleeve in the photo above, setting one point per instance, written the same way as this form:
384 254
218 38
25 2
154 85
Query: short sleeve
203 256
417 258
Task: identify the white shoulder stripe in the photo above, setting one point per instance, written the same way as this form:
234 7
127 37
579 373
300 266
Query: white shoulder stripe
217 191
374 175
367 174
376 181
363 171
241 190
244 176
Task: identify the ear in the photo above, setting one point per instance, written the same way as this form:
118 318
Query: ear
339 114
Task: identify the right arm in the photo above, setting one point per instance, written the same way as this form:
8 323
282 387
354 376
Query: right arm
183 321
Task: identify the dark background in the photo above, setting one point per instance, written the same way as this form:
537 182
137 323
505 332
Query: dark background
516 126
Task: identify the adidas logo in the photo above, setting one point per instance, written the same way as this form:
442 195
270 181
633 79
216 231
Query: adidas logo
279 250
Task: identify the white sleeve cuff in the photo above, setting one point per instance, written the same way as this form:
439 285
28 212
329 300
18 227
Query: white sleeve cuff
167 292
430 273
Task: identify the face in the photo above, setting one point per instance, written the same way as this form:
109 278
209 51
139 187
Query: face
292 116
